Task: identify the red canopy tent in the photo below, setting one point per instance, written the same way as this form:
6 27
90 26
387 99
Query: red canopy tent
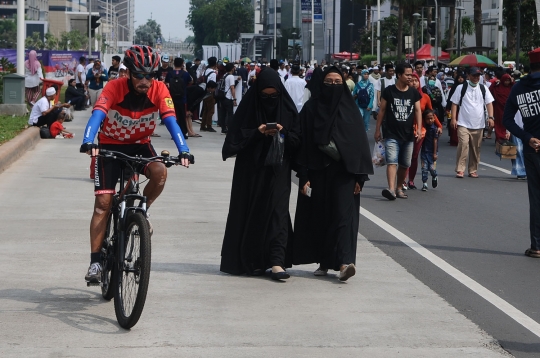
424 53
345 56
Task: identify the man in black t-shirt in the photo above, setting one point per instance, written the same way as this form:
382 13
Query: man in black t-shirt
115 68
400 110
164 70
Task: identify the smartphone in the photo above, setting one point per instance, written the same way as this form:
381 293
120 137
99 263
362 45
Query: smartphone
272 125
308 191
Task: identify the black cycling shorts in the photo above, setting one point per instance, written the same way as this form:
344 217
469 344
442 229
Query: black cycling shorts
107 171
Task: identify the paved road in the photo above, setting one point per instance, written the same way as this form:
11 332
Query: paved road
479 226
192 309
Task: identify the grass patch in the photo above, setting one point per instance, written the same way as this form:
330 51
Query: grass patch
11 126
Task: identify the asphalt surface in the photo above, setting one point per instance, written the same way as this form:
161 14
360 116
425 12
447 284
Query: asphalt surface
194 310
479 226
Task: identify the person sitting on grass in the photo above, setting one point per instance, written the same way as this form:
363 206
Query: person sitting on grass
57 128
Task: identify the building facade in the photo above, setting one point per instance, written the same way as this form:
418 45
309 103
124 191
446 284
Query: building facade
35 10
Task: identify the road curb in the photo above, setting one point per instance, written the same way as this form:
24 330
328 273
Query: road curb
15 148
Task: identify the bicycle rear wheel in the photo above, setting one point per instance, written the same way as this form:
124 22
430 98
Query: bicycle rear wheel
133 272
108 273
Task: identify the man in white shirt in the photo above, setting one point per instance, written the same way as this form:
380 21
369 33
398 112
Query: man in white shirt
388 80
252 74
282 70
80 76
45 111
295 87
229 102
470 124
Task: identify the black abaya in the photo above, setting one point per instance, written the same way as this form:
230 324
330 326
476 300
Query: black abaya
326 224
258 223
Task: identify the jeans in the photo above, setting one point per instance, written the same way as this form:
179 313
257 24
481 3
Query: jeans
428 166
180 111
398 152
532 167
366 115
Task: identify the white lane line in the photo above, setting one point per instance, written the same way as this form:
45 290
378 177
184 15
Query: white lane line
477 288
505 171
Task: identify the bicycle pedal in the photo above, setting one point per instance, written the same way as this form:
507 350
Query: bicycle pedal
88 284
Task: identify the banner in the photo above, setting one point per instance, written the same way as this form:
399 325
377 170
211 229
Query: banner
58 65
306 11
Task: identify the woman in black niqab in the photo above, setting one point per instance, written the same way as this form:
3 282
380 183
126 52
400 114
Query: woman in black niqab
326 224
258 223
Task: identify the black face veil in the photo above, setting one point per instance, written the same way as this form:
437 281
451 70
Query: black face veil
257 108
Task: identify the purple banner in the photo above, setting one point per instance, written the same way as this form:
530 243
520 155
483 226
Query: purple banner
59 65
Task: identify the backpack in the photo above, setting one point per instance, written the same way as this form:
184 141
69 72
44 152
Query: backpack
203 79
363 97
464 90
220 91
177 86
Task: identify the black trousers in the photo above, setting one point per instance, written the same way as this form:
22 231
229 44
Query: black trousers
532 168
78 102
227 105
180 110
49 118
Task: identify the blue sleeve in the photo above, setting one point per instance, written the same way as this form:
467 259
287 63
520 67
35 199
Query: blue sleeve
90 75
92 126
176 133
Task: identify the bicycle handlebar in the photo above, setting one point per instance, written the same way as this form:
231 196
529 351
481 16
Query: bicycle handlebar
165 158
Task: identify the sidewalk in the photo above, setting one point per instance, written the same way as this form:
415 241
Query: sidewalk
192 309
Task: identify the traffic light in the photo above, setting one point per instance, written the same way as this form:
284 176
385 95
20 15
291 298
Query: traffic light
432 28
94 24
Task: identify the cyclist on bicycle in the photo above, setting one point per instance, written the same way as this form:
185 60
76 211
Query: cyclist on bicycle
127 113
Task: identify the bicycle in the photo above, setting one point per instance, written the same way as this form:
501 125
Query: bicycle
126 249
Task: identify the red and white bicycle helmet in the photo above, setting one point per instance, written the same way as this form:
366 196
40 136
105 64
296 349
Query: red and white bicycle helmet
141 58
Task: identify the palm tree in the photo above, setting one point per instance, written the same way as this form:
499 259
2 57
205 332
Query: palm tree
478 21
406 9
452 26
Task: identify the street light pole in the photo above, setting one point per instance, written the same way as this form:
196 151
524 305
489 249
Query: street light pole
518 32
437 34
89 28
415 43
351 25
459 8
500 37
378 32
294 45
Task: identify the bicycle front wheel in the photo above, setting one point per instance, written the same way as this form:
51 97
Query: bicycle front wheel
107 258
133 272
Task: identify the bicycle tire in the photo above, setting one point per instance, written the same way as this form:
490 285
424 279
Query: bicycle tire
108 273
133 272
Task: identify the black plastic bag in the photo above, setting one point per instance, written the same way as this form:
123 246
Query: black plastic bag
275 152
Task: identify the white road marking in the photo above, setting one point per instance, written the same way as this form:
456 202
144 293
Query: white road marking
505 171
477 288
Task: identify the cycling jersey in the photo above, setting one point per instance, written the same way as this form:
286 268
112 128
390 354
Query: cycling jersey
126 117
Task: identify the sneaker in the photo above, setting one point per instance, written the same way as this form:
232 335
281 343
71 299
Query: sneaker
411 185
348 272
434 182
210 129
424 187
94 273
320 272
404 186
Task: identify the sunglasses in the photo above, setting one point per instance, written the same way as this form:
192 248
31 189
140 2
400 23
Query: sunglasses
273 95
141 75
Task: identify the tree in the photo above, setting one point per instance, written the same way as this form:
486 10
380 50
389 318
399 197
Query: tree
478 21
286 51
214 21
8 33
51 41
34 41
467 28
529 30
452 27
148 33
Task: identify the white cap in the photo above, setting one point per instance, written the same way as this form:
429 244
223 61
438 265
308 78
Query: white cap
122 67
50 91
446 70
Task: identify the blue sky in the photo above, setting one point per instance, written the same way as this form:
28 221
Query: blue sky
170 14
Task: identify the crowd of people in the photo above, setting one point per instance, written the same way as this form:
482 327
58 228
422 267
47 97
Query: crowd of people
317 118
